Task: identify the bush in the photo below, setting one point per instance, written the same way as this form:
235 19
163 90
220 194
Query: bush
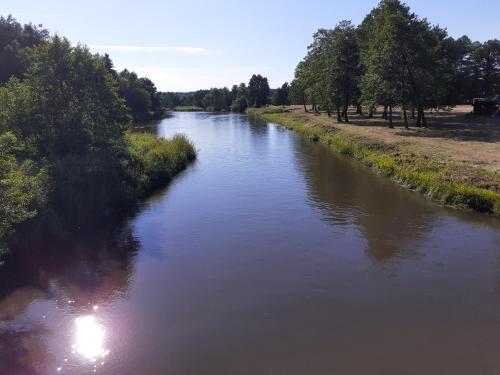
240 105
22 187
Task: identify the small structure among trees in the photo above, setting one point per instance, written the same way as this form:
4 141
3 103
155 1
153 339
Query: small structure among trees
486 106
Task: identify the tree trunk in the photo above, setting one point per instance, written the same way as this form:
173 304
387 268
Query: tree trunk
424 120
391 125
329 113
419 117
339 117
315 107
359 109
304 101
405 118
346 115
384 114
413 113
370 113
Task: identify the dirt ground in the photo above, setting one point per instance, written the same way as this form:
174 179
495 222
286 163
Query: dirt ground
453 136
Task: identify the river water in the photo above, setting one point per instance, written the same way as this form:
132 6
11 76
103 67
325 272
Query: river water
269 255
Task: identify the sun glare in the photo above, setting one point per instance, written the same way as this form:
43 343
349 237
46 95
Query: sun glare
89 338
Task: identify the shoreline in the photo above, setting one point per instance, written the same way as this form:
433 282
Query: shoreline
148 164
460 185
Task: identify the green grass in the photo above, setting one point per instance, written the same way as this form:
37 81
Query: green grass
84 189
273 110
187 108
154 161
452 184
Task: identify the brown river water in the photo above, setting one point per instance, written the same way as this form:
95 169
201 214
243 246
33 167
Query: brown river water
269 255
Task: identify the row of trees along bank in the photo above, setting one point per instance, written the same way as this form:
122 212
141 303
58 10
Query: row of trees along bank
394 59
238 99
66 154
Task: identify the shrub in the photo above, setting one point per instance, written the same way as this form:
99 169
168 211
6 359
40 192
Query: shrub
152 161
22 187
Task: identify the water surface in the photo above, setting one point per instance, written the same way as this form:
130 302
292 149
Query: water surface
269 255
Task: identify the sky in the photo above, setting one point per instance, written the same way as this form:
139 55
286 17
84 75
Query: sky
185 45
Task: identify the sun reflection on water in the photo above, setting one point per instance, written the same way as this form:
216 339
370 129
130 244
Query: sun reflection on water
89 339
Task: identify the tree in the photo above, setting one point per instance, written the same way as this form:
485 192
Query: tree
299 86
16 46
243 90
198 98
486 58
64 121
141 96
227 99
343 65
258 90
234 92
387 56
138 100
21 186
240 105
330 72
63 140
51 113
280 96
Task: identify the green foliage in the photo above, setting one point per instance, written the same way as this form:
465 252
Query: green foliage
64 154
16 46
141 96
221 99
328 75
240 104
280 96
22 187
258 91
393 59
217 100
486 59
49 111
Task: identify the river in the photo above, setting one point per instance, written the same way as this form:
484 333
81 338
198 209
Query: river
269 255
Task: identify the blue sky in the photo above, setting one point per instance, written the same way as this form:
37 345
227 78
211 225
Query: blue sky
189 44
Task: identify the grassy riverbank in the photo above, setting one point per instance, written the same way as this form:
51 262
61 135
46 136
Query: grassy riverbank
82 191
157 160
188 108
457 184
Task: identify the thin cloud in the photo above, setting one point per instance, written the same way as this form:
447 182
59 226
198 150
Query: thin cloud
184 79
148 49
238 68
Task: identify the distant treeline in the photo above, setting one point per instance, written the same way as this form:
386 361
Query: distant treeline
66 155
238 99
394 59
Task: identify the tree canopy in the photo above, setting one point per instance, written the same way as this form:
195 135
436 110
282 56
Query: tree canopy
393 59
258 90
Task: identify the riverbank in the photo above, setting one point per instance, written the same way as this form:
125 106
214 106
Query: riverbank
80 192
454 166
187 108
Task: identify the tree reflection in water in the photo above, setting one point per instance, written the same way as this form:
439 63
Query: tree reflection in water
389 218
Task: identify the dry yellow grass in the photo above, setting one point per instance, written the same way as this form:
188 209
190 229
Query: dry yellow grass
452 136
